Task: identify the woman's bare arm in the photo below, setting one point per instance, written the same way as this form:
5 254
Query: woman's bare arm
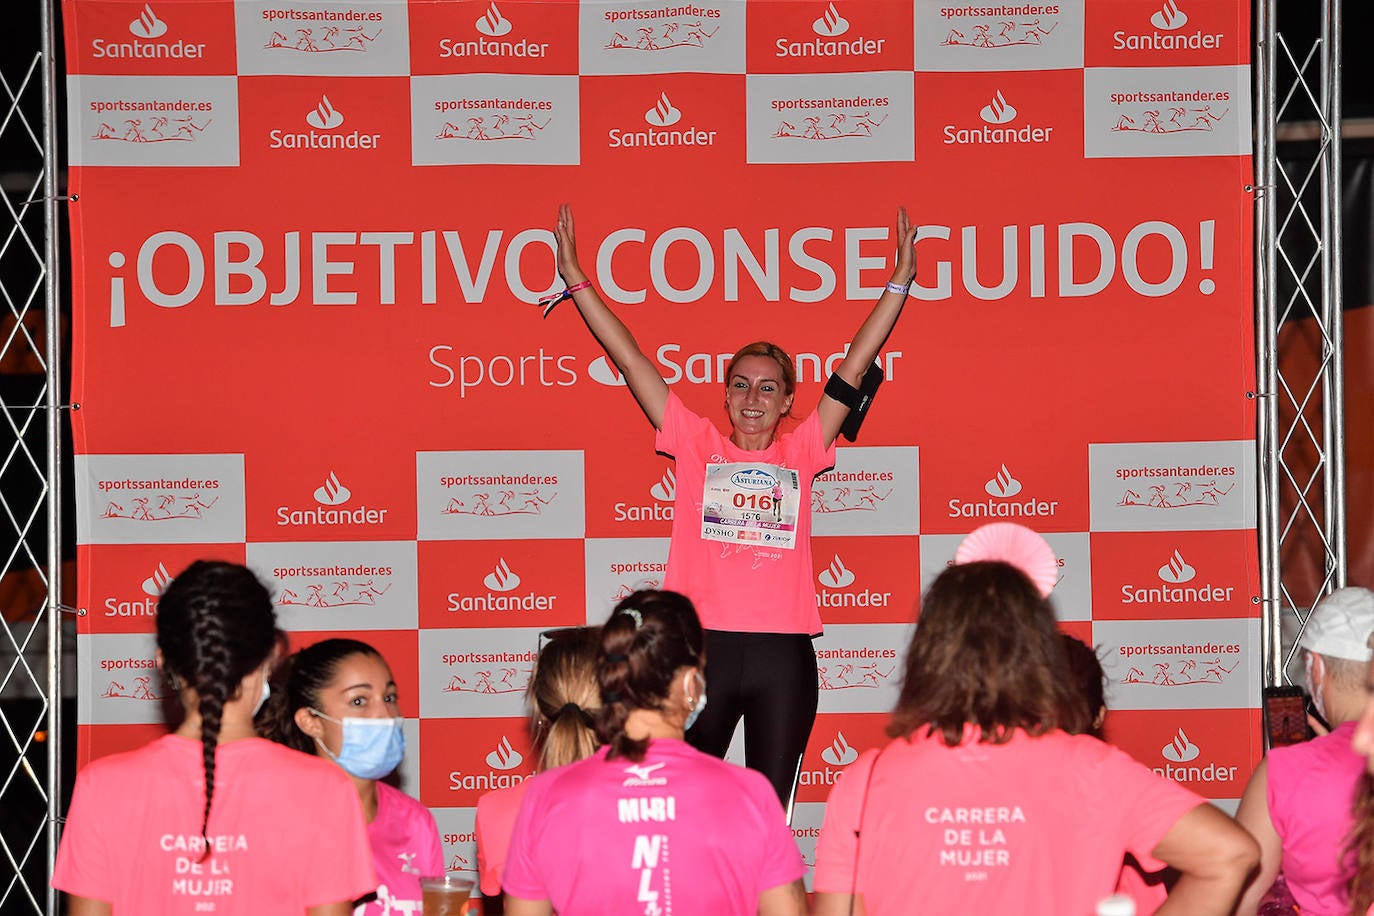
1214 855
868 340
640 374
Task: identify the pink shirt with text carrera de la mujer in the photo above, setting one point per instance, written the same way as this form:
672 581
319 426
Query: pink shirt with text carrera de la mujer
286 832
741 587
679 832
1038 825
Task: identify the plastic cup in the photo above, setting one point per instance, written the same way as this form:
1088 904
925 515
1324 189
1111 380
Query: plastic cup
445 895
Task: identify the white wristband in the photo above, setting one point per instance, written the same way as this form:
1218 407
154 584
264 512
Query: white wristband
898 288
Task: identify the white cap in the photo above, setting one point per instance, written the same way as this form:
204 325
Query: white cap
1340 624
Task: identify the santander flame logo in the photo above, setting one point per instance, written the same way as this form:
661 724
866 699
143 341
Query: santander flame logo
1002 484
504 757
501 579
332 493
663 114
836 575
1177 570
1169 17
665 491
1180 750
831 23
601 370
325 116
492 23
839 753
157 583
998 111
147 25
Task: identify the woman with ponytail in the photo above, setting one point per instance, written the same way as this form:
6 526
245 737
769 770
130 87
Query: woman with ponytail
563 697
336 700
211 817
675 829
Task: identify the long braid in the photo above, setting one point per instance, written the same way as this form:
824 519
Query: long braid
215 625
1360 848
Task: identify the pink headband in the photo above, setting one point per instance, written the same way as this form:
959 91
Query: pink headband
1016 544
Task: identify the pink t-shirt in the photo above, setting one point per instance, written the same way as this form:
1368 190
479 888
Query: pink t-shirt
746 588
1034 826
1312 789
496 811
286 832
405 845
681 832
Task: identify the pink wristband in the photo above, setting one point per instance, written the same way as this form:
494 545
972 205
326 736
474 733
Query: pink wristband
550 301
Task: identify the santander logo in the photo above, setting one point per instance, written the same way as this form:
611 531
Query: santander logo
502 579
325 116
147 25
663 114
1180 750
1169 17
492 23
666 489
836 575
998 111
1177 570
602 370
157 583
1003 485
839 753
504 757
831 24
332 492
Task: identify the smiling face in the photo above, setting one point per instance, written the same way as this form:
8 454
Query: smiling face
362 686
756 396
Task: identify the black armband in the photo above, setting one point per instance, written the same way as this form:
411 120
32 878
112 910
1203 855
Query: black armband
842 391
858 408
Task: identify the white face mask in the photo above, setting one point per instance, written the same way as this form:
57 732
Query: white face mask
266 692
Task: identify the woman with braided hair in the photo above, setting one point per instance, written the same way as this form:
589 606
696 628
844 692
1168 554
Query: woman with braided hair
677 830
212 817
563 698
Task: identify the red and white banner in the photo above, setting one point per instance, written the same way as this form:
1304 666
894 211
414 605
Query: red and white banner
307 243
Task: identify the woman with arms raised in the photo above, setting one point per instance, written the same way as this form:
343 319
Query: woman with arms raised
741 536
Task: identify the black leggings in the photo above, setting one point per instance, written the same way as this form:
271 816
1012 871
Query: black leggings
770 680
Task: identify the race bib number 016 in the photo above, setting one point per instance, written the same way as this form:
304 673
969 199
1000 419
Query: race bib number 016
747 503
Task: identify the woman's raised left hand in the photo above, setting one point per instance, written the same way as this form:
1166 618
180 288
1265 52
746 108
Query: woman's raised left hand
906 252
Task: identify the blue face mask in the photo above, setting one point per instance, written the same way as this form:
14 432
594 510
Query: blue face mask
695 712
371 748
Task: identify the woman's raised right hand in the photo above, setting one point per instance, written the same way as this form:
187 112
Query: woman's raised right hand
568 267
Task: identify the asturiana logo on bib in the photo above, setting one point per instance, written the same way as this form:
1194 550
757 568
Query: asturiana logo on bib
754 479
1168 21
664 493
836 580
329 494
1181 751
502 594
1002 487
146 29
324 119
661 116
1175 577
829 27
492 27
996 113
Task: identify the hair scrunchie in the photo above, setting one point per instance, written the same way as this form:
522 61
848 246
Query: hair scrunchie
585 716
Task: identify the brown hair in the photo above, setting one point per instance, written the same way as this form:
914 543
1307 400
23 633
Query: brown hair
773 352
1085 670
297 684
565 696
986 653
1361 848
648 638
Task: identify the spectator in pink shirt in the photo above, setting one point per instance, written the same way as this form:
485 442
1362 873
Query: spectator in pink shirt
990 798
564 698
648 824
